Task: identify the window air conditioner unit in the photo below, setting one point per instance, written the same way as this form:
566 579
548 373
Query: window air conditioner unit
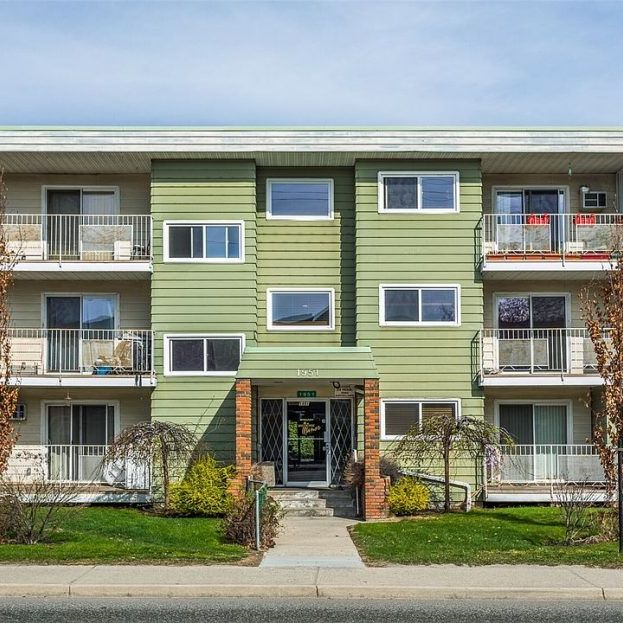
594 200
20 413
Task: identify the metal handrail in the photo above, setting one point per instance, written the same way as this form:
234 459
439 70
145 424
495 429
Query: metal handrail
100 352
568 235
566 350
79 237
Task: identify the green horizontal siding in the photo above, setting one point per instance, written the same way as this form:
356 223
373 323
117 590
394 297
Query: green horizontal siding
203 298
418 362
309 254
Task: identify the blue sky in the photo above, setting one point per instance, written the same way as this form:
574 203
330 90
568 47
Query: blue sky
311 63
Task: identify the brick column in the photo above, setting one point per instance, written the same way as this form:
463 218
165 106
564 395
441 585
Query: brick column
374 506
244 419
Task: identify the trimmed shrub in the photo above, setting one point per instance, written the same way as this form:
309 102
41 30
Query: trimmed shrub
239 523
408 496
204 490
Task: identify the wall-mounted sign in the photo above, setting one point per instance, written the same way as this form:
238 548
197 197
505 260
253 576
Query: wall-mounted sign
306 393
345 391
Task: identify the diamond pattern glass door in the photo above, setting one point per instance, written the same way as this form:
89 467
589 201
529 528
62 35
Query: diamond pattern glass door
272 435
341 438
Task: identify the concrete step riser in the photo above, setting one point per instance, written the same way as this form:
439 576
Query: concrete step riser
309 512
292 504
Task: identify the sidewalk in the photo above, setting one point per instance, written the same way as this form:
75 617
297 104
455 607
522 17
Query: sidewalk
314 542
422 582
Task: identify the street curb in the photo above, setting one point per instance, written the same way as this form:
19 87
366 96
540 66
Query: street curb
306 590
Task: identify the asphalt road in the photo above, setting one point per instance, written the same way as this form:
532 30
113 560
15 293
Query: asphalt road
22 610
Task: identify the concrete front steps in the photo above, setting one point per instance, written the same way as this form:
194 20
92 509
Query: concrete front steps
314 502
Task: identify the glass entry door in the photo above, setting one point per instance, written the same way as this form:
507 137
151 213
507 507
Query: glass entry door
307 429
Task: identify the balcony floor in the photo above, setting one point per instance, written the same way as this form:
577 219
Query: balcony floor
530 493
86 271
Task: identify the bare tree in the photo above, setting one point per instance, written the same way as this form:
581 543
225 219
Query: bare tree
161 445
575 501
444 438
8 390
602 307
34 508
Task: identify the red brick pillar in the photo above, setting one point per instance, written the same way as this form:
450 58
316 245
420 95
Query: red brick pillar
244 419
374 506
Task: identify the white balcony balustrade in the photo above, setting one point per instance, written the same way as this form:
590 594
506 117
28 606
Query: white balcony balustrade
546 463
99 352
79 237
513 352
551 236
76 464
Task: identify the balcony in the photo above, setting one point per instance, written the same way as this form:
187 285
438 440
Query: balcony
548 463
83 469
529 357
95 357
84 243
529 473
538 244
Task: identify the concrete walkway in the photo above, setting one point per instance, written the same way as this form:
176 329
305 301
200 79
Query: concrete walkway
314 542
430 582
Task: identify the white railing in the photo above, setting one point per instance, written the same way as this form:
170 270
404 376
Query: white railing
98 352
86 464
537 351
79 237
547 463
580 235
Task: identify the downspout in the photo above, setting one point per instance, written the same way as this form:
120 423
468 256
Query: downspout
459 484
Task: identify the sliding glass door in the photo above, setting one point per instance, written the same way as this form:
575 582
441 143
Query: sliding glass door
72 320
77 438
542 426
64 209
531 333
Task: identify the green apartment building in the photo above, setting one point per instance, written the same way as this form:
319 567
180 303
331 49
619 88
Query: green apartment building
299 296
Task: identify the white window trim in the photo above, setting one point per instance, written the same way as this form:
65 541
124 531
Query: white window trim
115 404
269 309
535 403
167 337
81 188
419 286
419 210
202 260
524 187
385 401
299 180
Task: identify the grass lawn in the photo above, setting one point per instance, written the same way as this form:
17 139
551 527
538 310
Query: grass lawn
127 535
481 537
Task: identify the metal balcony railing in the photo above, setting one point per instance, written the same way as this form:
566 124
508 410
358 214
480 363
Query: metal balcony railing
555 236
537 351
81 351
79 237
547 463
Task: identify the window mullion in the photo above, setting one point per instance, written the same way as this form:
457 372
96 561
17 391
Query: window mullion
418 179
205 355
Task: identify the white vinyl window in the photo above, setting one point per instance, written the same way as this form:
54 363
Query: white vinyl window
401 416
204 241
299 199
202 355
405 192
406 305
301 309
